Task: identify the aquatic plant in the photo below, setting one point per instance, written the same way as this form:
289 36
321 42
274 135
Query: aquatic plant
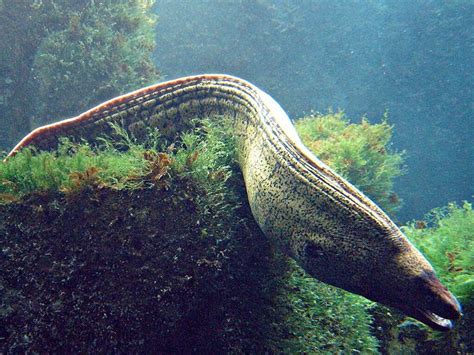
61 171
103 51
359 152
59 58
323 318
121 162
446 238
207 155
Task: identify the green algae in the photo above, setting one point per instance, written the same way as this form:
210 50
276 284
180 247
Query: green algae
325 319
360 152
120 161
446 238
61 170
102 51
67 56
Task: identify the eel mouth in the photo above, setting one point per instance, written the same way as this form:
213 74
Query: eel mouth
426 300
435 321
439 314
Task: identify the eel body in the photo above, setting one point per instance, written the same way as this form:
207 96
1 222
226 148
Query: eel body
327 225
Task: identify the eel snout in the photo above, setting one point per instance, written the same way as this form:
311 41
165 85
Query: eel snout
426 300
435 305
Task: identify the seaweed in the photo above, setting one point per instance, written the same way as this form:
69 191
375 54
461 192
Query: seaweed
360 152
323 318
103 51
445 237
60 58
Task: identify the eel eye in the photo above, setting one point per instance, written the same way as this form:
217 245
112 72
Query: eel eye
313 251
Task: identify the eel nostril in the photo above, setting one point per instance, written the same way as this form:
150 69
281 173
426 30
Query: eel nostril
313 251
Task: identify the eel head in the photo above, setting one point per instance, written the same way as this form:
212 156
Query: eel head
383 266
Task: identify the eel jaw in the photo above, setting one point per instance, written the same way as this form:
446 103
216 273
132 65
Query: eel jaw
438 314
434 321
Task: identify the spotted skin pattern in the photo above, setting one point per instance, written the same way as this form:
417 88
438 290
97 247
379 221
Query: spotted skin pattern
327 225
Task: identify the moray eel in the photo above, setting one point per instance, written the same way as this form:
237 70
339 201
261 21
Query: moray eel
328 226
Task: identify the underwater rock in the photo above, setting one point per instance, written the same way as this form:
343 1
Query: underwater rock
88 272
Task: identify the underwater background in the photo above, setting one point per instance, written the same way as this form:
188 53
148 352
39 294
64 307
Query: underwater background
383 91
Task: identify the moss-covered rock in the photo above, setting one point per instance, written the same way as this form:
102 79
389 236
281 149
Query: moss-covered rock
107 270
103 51
133 250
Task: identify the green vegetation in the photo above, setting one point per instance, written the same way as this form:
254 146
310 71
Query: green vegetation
204 154
103 51
323 318
446 238
58 58
359 152
71 166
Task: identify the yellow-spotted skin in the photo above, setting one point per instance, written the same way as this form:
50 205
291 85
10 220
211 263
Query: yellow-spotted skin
335 233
